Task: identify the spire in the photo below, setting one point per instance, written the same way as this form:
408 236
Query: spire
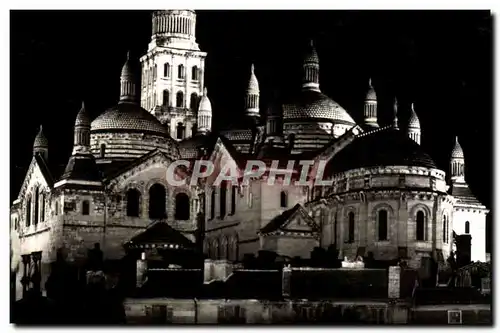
310 77
457 163
414 125
252 96
41 144
370 107
204 114
395 119
81 140
127 82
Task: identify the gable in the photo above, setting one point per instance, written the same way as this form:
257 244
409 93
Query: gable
151 166
36 175
294 221
222 157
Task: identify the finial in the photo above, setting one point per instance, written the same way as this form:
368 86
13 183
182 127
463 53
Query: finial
205 91
128 55
83 104
41 128
252 69
456 139
311 42
412 107
395 120
370 82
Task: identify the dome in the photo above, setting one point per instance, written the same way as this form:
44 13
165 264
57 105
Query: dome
457 151
313 104
40 140
371 95
128 117
389 147
82 118
413 122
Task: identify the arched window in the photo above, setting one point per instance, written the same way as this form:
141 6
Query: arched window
157 202
133 198
85 207
182 207
42 210
382 225
350 238
194 73
166 70
467 227
283 199
212 204
194 102
155 69
180 71
233 199
28 212
222 199
420 226
16 224
103 150
180 131
37 206
166 98
179 102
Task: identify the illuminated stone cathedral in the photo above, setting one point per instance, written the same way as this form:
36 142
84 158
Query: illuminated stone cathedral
388 199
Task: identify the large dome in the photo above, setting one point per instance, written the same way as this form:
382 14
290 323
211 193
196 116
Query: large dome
128 117
315 105
389 147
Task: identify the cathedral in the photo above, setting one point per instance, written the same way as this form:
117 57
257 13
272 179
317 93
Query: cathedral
388 198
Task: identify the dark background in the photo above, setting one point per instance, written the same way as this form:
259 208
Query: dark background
440 60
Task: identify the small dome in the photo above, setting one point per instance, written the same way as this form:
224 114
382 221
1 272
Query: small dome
127 68
82 118
128 117
457 151
205 104
253 84
371 95
40 140
413 122
311 55
314 104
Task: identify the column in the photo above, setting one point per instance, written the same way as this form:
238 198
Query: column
36 278
25 279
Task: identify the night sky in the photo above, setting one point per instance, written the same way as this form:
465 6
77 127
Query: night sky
440 60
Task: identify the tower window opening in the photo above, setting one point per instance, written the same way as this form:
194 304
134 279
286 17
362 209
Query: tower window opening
420 226
350 238
103 150
166 98
283 199
85 207
166 70
180 99
467 227
180 131
382 225
180 72
194 73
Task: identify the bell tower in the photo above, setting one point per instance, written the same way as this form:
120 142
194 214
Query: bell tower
173 72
